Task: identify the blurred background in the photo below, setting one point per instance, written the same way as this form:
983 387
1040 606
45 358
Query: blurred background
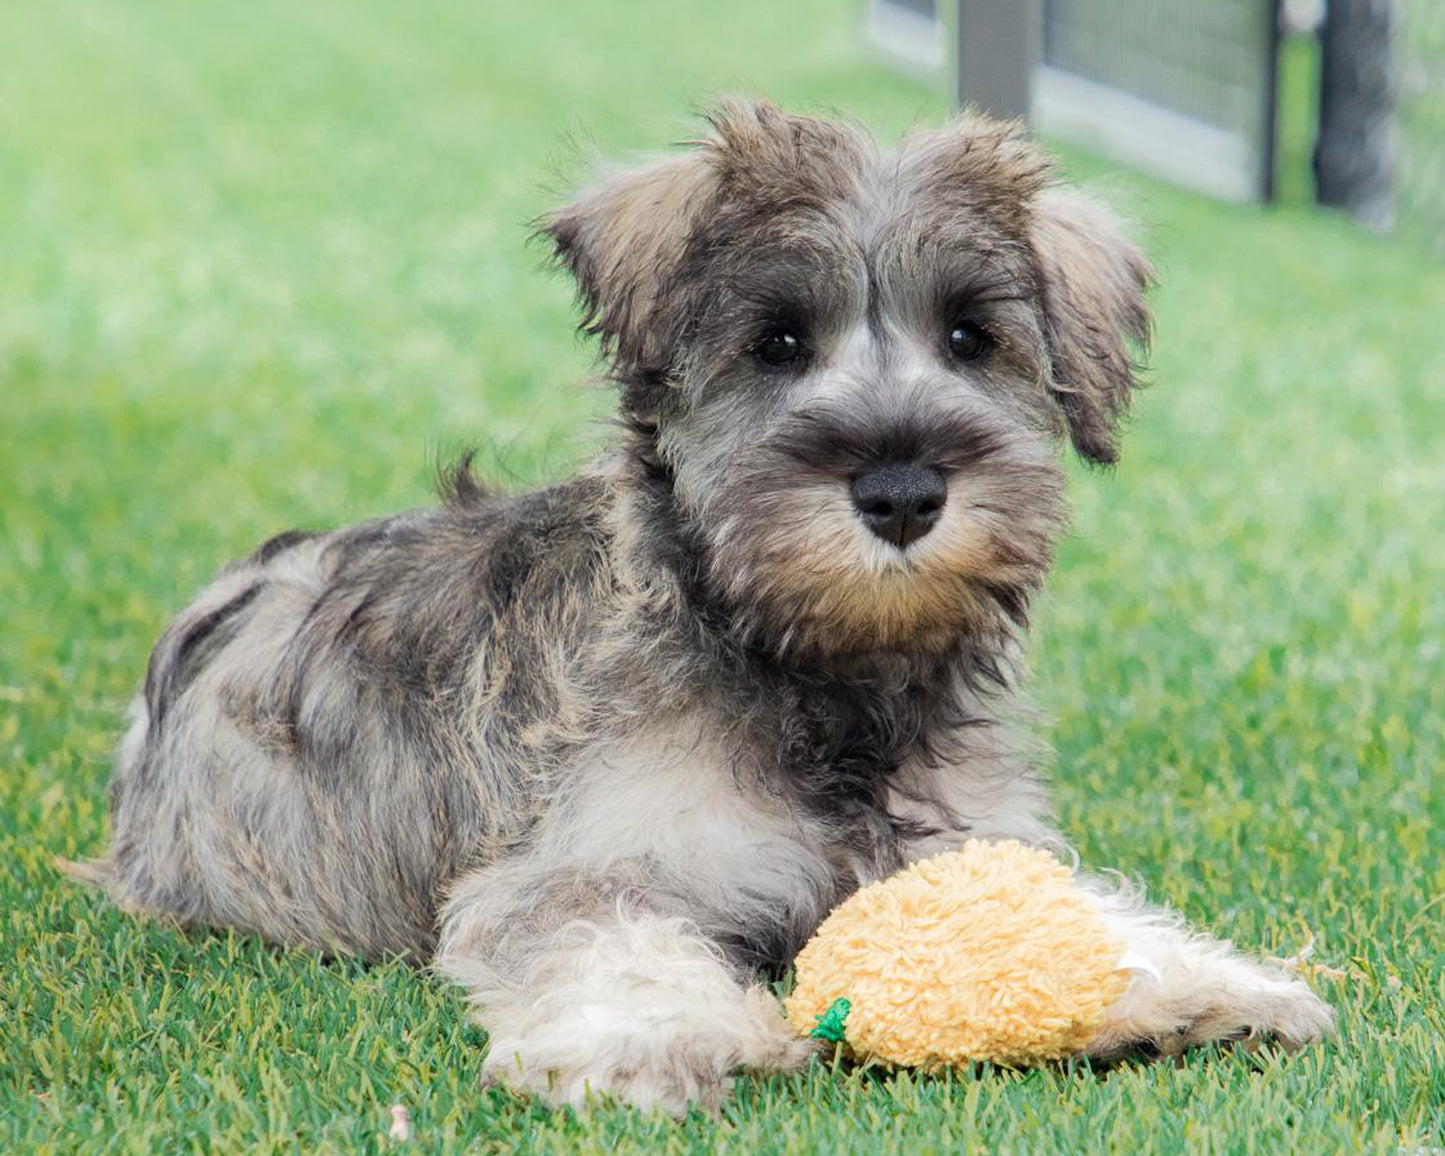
262 264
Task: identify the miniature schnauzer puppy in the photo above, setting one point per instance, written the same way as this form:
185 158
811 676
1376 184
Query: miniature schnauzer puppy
608 752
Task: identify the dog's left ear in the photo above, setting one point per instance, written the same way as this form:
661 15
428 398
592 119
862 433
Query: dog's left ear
1092 282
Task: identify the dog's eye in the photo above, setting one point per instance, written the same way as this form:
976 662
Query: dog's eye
778 347
967 341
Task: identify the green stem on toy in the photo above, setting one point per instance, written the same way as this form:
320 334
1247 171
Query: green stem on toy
829 1025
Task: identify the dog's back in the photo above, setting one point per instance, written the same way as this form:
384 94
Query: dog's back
342 721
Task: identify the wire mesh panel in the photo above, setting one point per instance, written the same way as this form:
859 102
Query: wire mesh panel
1421 190
1184 88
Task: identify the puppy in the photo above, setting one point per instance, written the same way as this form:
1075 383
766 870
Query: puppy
608 752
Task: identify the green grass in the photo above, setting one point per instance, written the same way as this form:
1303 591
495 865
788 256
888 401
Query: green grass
263 262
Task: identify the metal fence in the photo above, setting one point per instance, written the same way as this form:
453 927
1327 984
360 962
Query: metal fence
1420 188
1184 88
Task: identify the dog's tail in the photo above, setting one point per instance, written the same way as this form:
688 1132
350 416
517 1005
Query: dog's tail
92 872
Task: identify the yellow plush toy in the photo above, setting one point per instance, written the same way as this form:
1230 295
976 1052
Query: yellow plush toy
990 952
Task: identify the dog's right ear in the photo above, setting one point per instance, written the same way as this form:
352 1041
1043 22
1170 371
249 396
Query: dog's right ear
623 239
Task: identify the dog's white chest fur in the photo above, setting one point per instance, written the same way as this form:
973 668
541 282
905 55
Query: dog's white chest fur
687 799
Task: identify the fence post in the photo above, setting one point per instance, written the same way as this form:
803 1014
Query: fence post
998 46
1354 157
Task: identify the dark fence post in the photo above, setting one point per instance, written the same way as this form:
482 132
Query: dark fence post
998 46
1354 157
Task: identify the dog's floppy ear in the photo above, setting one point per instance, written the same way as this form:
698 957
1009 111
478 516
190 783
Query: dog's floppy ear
622 239
1092 284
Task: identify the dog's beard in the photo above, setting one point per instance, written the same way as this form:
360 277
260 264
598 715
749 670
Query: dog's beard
802 574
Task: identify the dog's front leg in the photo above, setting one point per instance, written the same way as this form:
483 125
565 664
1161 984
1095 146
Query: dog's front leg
1189 989
586 984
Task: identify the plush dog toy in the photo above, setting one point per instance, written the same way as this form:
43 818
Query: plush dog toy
991 952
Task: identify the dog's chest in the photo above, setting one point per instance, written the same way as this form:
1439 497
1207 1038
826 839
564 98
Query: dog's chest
697 810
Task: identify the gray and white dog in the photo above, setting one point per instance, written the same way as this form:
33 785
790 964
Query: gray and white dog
608 752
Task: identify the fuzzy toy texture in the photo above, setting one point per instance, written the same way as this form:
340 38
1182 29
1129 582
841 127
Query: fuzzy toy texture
991 952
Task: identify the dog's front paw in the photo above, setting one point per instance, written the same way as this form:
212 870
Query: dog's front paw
1219 997
627 1069
1301 1018
1258 1007
649 1061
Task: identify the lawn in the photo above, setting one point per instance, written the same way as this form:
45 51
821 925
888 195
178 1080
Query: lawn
260 265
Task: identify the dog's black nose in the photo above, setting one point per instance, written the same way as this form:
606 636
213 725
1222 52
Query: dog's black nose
899 501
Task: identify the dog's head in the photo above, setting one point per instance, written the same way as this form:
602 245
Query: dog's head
854 364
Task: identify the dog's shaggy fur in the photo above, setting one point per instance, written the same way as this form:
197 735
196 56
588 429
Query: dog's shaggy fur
609 751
